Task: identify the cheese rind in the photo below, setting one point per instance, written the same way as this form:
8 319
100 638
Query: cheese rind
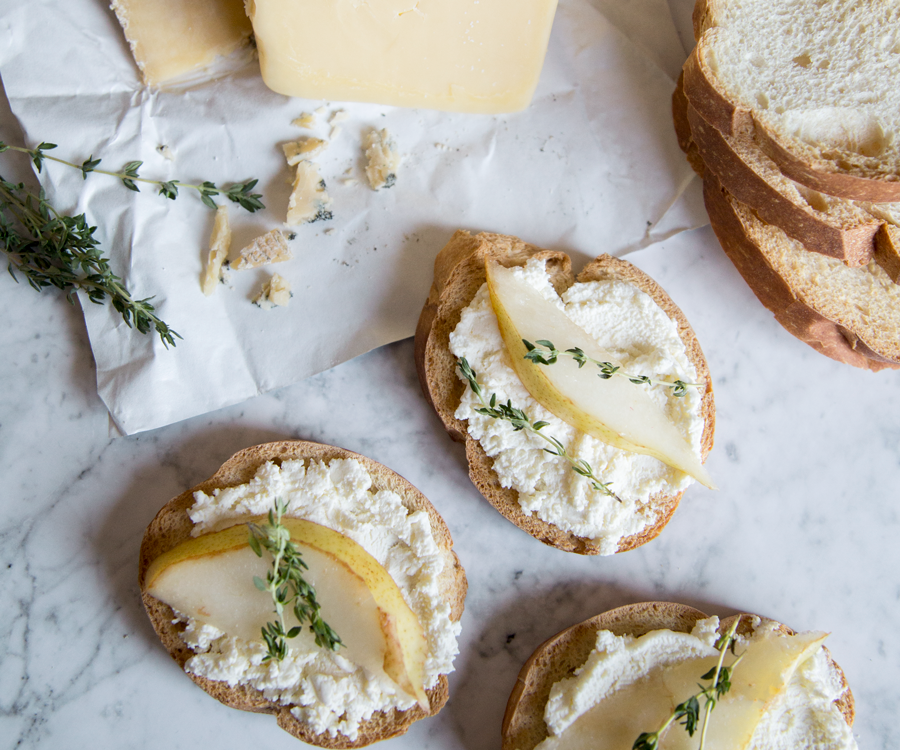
171 38
466 55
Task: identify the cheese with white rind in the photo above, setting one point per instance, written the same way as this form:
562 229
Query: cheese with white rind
616 411
466 55
271 247
172 38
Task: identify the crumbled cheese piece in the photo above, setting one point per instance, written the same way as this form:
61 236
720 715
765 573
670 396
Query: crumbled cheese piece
339 115
303 148
324 689
272 247
219 245
305 120
309 200
335 132
382 158
166 152
276 292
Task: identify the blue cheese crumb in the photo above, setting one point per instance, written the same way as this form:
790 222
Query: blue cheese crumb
383 159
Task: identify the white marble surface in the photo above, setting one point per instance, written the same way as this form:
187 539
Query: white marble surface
804 529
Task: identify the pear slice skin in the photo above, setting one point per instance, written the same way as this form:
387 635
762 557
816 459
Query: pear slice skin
616 411
406 646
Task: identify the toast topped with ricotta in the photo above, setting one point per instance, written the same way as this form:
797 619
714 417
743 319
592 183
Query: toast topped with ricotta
536 490
331 698
604 682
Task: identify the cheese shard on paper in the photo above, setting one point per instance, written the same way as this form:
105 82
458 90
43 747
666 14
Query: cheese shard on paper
171 39
464 56
272 247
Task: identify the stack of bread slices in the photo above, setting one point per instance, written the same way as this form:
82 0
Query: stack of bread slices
789 113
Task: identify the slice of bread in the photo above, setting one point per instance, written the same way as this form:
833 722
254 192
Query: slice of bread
812 80
849 314
837 227
559 657
172 526
459 274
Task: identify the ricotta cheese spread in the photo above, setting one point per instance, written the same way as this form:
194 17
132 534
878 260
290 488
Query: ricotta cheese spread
802 715
645 341
328 692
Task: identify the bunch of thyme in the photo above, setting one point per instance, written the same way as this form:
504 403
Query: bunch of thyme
287 587
521 421
548 354
688 711
50 248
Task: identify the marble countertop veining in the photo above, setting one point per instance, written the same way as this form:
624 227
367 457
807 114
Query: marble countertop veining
804 528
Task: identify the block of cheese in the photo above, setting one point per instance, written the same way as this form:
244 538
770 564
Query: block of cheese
457 55
170 39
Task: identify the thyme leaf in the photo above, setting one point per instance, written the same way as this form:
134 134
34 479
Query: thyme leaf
543 352
288 588
521 421
687 713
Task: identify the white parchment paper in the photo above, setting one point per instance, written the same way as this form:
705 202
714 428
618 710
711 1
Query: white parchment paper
592 166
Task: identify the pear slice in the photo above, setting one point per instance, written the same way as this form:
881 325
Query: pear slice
210 578
616 411
763 674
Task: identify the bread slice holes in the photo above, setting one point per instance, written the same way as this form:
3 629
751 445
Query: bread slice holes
762 100
803 60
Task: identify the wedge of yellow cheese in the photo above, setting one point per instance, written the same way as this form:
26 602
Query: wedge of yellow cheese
172 38
457 55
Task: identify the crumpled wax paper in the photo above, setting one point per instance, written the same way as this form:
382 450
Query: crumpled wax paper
591 166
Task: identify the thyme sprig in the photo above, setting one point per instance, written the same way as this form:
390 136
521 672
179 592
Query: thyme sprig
687 713
239 193
521 421
548 354
288 588
50 248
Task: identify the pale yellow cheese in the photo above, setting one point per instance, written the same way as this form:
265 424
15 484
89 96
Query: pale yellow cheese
219 245
382 159
276 292
309 199
465 55
170 38
303 148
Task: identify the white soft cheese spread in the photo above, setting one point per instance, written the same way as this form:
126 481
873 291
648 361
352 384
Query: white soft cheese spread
628 323
328 692
803 715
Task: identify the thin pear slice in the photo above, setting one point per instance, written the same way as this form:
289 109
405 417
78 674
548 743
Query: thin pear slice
616 411
763 674
210 578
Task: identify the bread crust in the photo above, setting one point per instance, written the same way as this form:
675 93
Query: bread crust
558 657
834 177
459 274
172 525
824 335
